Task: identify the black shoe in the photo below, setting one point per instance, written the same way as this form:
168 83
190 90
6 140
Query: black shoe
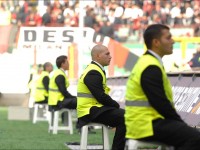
72 143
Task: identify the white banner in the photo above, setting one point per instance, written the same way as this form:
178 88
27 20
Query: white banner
58 36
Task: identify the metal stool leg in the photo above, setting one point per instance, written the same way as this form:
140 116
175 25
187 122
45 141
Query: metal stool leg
84 137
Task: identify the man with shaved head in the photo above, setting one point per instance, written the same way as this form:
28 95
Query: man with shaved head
93 102
42 84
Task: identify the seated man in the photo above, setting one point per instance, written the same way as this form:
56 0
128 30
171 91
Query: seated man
93 102
59 97
42 84
149 113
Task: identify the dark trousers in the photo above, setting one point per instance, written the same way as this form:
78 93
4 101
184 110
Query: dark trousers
175 133
70 103
114 118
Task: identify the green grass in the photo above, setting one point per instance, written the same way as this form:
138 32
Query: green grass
18 135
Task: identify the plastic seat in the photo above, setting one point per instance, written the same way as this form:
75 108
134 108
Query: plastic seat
84 136
136 144
40 113
54 124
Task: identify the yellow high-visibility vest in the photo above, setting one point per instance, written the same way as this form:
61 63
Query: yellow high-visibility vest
138 112
40 91
54 94
85 99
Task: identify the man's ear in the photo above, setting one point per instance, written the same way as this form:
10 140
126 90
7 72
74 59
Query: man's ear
155 42
61 64
98 55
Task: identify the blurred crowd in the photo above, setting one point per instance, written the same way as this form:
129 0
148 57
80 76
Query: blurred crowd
105 16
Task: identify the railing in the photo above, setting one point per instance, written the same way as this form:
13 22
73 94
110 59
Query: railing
186 94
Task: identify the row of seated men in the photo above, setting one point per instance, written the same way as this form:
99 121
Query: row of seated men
91 86
53 90
185 87
149 113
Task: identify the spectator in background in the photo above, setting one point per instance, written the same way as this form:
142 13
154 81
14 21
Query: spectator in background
119 10
23 12
46 18
111 15
71 17
175 14
14 15
56 13
188 15
31 19
5 18
127 15
60 17
197 26
107 29
195 61
57 17
196 10
89 19
166 17
99 9
68 13
157 15
42 84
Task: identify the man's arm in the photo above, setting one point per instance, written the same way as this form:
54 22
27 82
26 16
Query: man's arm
60 81
93 80
152 84
45 82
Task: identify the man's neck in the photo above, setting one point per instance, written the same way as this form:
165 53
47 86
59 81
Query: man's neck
62 69
156 55
99 65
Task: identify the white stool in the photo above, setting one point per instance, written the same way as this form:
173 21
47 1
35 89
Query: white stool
40 112
54 121
136 144
84 136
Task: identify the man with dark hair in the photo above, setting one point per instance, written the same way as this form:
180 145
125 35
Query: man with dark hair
150 114
59 97
42 84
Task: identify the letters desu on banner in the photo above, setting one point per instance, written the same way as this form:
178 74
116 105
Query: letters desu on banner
57 36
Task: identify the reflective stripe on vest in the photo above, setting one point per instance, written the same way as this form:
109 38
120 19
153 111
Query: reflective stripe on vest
55 90
85 95
40 88
138 103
